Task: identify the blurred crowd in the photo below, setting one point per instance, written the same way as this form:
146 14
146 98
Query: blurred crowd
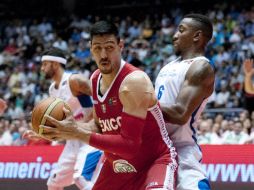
148 45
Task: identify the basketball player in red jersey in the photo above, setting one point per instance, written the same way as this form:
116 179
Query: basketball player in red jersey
138 152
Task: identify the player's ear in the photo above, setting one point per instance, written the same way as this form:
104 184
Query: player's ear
197 35
121 44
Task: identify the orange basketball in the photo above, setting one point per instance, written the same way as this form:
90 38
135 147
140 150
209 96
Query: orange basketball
48 106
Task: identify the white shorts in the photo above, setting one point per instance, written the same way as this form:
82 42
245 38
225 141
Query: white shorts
191 175
77 160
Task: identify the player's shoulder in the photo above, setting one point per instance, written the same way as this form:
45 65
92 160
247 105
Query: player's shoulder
201 71
136 80
76 76
136 76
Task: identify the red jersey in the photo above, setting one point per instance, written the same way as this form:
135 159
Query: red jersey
156 145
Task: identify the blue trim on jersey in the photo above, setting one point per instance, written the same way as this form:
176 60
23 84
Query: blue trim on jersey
192 128
85 101
204 185
90 165
212 64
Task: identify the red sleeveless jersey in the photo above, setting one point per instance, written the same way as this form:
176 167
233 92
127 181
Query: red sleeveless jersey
156 145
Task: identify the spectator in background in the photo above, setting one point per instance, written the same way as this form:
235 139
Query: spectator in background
204 136
237 135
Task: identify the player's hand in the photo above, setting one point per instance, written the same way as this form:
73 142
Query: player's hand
248 67
3 106
31 135
65 129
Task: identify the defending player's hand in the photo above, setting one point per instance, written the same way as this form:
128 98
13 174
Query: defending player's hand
64 129
33 136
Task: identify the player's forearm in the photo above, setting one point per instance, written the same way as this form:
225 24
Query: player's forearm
248 85
174 114
115 144
127 143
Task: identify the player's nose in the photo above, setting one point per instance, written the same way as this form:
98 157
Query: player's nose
103 53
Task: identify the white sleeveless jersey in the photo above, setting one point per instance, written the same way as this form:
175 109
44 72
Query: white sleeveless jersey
167 86
64 92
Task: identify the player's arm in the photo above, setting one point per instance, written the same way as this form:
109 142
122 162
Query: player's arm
79 85
198 85
249 72
69 128
136 95
81 88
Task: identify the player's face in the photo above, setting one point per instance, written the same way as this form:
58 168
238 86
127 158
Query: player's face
47 69
183 38
106 51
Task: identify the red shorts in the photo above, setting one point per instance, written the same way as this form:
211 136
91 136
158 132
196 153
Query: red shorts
157 176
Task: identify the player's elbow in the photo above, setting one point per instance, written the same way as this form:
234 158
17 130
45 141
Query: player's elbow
179 119
182 120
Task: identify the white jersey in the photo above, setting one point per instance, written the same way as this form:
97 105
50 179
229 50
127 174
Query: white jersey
64 92
77 163
167 86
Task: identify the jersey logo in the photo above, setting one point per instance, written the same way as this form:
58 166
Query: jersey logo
112 101
122 166
111 124
161 89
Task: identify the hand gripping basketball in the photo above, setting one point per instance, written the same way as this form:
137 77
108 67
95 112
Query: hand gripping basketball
62 129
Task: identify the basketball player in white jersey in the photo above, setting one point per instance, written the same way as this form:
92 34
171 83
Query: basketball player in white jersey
78 161
182 87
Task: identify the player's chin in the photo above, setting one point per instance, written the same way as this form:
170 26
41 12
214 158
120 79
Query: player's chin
106 70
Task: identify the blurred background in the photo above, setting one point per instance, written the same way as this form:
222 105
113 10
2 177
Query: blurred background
27 28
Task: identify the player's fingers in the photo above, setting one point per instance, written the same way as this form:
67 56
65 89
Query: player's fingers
43 129
52 120
67 112
50 133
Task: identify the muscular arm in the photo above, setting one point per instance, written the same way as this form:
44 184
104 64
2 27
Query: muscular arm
79 85
198 85
137 95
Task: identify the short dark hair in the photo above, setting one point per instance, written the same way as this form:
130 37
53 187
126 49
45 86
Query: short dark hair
54 52
203 23
104 27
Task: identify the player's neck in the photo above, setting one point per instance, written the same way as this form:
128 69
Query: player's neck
191 54
107 79
58 77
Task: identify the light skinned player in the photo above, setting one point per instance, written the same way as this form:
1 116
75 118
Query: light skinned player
138 151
